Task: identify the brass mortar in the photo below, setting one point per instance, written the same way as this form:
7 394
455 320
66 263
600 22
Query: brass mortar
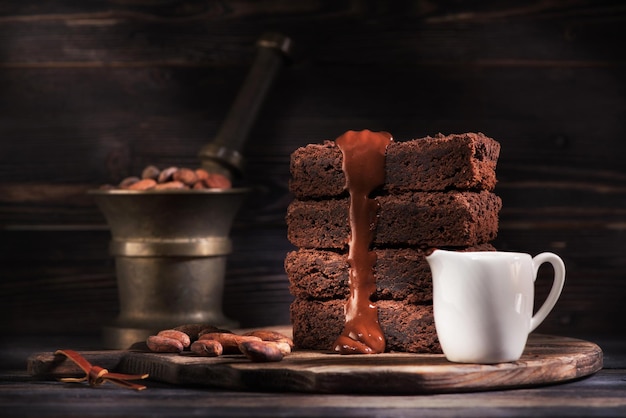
170 250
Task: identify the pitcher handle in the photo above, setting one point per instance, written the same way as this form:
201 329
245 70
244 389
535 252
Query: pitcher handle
555 291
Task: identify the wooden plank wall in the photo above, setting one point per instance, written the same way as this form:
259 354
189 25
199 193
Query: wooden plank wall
94 91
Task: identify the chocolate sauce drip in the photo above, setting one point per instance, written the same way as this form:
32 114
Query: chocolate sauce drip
364 168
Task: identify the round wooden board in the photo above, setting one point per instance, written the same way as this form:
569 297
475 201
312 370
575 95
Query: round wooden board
546 360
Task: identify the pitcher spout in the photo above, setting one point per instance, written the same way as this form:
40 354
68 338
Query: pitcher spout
437 259
433 257
430 253
435 254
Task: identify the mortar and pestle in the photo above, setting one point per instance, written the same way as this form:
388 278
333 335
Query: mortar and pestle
171 246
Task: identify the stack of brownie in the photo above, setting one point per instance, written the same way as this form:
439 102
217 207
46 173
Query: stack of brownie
438 193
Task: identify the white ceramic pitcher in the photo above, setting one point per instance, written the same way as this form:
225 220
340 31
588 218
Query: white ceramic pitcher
483 302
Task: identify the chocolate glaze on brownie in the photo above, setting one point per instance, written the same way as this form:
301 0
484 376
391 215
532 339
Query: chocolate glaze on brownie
437 219
407 327
364 167
459 161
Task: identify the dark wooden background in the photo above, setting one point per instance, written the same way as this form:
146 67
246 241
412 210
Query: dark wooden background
92 91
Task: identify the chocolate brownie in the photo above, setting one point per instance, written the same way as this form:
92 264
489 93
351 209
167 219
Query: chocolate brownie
401 274
459 161
407 327
445 219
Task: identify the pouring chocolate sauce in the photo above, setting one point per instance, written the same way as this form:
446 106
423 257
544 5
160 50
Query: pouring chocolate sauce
364 168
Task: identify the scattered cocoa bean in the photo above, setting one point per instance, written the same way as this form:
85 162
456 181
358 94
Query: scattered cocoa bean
144 184
230 342
160 344
213 329
269 335
150 172
284 347
207 348
261 351
193 330
177 335
210 341
167 174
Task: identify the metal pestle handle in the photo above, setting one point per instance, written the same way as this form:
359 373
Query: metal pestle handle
223 155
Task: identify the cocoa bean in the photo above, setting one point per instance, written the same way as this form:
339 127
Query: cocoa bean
269 335
207 348
150 172
213 329
177 335
284 347
217 181
128 181
160 344
170 185
145 184
202 174
185 176
166 175
261 351
193 330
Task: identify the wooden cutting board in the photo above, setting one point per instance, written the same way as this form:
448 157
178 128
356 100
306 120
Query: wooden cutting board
546 359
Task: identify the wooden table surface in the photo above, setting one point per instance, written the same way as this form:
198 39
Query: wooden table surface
601 394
